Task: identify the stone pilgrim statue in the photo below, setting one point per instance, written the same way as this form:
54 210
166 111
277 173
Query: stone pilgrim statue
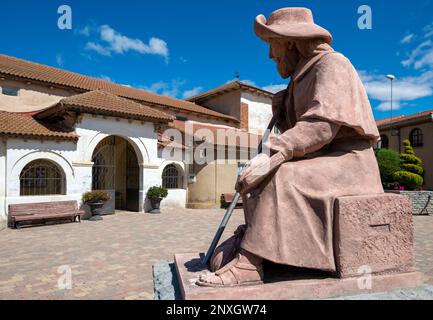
324 152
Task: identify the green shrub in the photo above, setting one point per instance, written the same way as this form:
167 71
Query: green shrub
409 180
96 197
411 169
410 159
389 163
157 193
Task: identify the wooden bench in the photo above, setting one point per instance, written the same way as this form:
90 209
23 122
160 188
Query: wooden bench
43 212
227 198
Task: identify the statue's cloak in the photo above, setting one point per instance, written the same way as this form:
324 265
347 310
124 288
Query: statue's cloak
290 221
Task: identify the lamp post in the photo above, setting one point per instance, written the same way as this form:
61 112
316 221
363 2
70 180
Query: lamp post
391 78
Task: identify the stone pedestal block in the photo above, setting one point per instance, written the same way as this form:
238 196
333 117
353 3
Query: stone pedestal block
373 233
189 269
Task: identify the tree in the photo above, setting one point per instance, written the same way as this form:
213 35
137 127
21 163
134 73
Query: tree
410 175
389 163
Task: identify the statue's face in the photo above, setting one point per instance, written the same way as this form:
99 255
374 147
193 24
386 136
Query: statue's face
285 55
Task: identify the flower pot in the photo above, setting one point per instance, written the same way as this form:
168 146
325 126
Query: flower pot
96 208
156 205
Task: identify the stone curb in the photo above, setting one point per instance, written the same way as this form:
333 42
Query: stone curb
166 287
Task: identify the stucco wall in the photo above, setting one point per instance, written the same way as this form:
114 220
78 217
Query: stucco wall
425 152
31 96
259 112
229 103
75 160
214 178
2 183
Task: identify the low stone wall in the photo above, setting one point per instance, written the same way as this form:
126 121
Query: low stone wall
419 200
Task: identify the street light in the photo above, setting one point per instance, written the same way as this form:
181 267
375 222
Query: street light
391 78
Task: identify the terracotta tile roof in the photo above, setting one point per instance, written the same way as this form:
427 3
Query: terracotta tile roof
25 126
53 76
399 120
231 86
104 103
249 138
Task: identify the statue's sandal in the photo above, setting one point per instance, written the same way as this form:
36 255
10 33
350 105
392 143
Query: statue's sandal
234 274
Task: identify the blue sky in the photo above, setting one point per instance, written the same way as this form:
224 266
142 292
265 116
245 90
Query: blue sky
180 48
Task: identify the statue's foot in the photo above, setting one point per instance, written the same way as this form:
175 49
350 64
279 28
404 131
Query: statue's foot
240 272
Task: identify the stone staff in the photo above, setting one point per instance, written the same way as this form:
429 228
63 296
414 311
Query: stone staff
235 200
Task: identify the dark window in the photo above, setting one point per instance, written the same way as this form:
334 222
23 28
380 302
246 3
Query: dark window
181 118
41 177
416 138
171 177
104 165
384 141
8 91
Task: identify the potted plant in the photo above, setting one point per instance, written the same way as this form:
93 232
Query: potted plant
156 195
96 200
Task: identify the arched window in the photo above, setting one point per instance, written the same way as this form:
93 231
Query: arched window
416 138
42 177
384 141
171 177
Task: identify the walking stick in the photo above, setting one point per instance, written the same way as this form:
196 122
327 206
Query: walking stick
235 201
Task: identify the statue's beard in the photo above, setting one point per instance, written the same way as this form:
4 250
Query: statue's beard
285 69
286 65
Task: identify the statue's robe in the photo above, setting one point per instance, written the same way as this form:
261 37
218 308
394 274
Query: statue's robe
326 150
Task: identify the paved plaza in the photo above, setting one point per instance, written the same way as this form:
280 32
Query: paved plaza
113 258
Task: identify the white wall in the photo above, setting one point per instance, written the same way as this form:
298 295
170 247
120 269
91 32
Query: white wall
2 183
75 160
259 111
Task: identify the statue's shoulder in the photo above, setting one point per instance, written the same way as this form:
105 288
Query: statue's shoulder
336 61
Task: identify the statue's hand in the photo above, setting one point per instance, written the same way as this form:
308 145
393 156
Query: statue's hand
257 171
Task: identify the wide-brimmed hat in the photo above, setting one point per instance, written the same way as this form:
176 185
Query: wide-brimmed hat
293 23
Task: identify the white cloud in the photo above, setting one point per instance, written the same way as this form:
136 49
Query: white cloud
85 31
420 56
59 60
171 89
105 78
386 106
98 48
190 93
112 41
274 88
428 31
404 89
407 39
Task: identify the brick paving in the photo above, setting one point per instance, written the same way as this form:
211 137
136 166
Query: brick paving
113 258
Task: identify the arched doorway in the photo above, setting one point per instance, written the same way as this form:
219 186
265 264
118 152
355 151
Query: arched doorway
116 171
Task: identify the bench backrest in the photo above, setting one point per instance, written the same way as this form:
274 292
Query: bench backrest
42 208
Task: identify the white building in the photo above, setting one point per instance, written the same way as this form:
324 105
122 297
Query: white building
63 134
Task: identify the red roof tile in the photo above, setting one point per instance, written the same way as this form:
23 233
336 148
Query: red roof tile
53 76
403 119
100 102
228 87
25 126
